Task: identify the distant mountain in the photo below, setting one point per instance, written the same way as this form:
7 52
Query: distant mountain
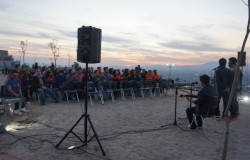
188 73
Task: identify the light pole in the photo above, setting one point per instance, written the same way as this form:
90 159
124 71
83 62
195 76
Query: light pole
196 77
170 70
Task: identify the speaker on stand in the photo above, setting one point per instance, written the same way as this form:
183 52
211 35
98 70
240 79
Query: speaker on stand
241 59
89 45
88 51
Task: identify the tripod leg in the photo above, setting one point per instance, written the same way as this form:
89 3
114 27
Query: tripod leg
71 131
96 136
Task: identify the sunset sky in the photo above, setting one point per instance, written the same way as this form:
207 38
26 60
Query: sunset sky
146 32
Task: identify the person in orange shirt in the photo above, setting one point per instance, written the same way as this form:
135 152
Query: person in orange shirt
156 76
149 76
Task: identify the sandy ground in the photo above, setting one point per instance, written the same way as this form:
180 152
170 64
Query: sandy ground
128 130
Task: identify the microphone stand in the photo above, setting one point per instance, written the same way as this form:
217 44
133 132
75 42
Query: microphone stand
175 111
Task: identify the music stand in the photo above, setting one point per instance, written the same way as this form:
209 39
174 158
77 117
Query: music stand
87 120
175 111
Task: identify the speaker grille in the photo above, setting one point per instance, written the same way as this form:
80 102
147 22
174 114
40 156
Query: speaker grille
89 45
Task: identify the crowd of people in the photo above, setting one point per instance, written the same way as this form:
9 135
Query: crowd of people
52 82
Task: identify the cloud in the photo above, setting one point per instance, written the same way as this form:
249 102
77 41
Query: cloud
72 34
25 34
3 6
194 47
112 39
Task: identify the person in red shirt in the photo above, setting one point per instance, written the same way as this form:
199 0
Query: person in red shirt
100 73
117 78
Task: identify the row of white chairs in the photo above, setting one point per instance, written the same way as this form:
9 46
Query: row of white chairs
103 92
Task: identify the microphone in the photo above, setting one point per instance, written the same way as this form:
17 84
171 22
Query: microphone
215 68
194 83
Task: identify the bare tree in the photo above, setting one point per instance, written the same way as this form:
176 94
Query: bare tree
55 49
24 46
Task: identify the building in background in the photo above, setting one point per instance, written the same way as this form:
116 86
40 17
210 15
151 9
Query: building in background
6 62
3 55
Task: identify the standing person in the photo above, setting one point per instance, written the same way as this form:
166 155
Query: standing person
12 89
223 77
234 109
206 93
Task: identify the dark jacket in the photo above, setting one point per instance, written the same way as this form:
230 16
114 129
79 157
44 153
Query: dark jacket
204 96
224 78
35 83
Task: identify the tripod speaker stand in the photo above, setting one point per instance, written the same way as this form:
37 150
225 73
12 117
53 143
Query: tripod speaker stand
175 111
87 120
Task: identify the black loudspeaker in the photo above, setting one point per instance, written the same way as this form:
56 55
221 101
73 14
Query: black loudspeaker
89 44
243 59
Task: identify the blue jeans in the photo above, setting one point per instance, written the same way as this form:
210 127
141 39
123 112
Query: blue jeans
17 104
234 108
42 92
225 98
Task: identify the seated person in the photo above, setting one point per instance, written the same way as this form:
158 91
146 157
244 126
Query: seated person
12 89
60 80
117 79
125 78
38 85
156 76
26 85
150 81
107 78
78 79
100 73
149 76
68 80
134 79
50 79
202 102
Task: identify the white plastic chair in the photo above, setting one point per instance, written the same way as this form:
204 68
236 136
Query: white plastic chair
211 113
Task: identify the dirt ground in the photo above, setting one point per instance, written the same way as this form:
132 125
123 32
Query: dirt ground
128 130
